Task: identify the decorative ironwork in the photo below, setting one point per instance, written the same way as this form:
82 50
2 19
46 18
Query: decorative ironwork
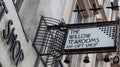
50 41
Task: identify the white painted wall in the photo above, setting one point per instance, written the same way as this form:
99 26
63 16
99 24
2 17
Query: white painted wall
32 10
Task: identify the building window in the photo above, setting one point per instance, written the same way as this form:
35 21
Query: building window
18 4
76 16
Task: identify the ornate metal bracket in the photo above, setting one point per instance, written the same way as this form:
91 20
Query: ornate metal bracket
50 41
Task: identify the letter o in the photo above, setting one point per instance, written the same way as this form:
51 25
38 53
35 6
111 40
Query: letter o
15 53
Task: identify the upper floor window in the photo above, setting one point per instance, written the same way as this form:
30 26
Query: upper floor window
18 4
76 16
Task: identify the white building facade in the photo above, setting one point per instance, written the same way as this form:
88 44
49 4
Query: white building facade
19 23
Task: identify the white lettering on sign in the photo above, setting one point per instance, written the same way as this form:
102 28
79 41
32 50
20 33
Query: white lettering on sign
91 38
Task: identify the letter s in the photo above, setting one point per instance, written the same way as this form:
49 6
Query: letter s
7 33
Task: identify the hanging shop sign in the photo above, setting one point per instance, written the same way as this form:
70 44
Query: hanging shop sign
15 46
91 37
84 37
94 37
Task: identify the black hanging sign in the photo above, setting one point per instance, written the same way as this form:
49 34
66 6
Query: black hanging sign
91 37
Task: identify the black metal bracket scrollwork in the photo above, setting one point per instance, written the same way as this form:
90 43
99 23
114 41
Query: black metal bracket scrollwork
49 38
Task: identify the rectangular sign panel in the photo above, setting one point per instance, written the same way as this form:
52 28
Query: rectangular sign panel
89 38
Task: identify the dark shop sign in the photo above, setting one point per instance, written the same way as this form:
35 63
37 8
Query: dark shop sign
16 52
92 37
